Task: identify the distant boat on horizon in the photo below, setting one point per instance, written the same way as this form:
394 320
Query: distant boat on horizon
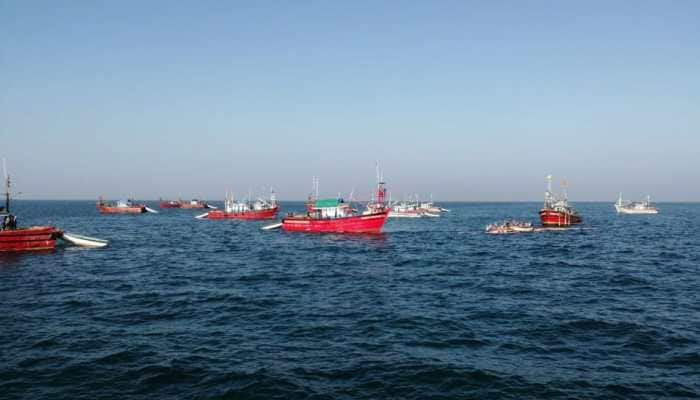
640 207
122 207
258 209
193 204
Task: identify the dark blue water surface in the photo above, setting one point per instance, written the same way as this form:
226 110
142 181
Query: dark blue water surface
433 308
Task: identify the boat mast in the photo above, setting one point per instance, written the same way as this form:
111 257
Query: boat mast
548 194
564 185
7 186
381 191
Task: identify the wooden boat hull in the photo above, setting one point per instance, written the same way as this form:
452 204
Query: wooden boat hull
252 215
558 218
36 238
369 223
121 210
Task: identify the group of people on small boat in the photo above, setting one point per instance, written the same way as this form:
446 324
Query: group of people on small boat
509 227
9 222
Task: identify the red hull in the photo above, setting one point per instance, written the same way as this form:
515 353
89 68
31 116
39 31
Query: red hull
248 215
29 239
121 210
169 204
371 223
558 218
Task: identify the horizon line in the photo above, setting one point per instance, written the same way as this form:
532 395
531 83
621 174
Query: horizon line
363 201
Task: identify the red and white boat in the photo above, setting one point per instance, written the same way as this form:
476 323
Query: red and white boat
337 216
259 209
35 238
193 204
122 207
556 211
15 239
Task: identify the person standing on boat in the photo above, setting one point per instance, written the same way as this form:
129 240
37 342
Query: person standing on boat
9 222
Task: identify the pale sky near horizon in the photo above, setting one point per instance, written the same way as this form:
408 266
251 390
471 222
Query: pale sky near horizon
467 100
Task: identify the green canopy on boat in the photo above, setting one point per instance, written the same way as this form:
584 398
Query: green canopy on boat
327 203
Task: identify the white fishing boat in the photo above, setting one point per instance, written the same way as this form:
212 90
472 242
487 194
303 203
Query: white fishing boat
406 209
245 209
640 207
430 207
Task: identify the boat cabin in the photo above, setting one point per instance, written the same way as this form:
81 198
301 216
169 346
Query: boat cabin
331 208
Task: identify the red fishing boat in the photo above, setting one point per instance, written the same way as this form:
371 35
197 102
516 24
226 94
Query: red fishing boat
337 216
122 207
259 209
14 239
170 204
35 238
556 211
193 204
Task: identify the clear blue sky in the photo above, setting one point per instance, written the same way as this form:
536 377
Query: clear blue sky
466 100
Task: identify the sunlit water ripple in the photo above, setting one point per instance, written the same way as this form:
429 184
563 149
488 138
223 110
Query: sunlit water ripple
432 308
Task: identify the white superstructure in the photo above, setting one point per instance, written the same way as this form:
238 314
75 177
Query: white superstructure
640 207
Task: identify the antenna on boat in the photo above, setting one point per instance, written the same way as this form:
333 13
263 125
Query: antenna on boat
7 186
380 175
314 188
564 185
